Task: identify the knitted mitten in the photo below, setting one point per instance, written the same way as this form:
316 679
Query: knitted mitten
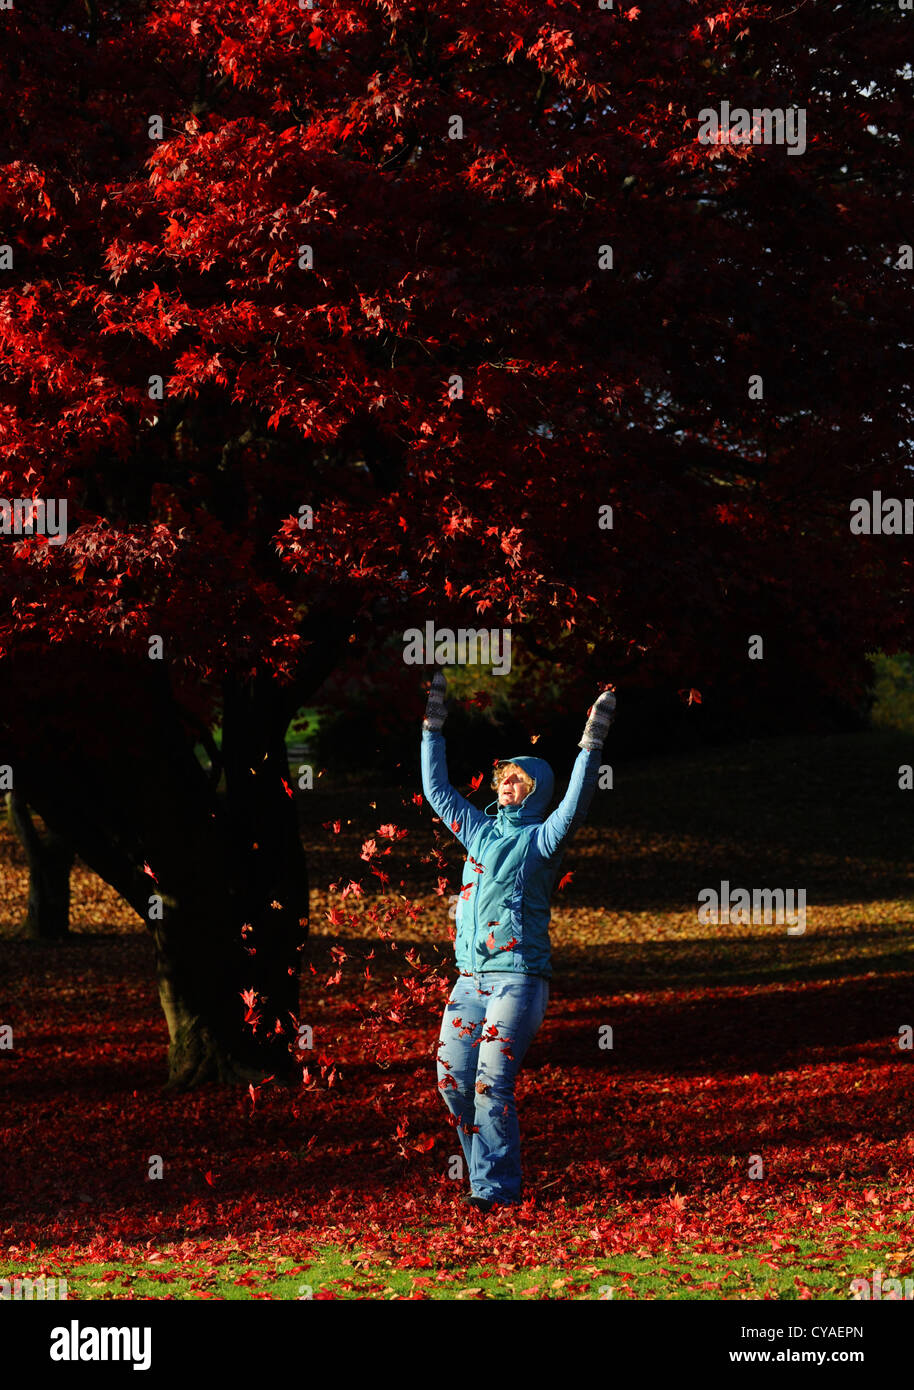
436 709
599 717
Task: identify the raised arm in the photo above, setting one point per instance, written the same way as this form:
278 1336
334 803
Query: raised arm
459 815
555 832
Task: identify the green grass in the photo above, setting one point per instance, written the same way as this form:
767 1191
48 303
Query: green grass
682 1273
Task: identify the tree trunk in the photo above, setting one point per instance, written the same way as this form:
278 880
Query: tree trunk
197 865
50 859
234 906
238 933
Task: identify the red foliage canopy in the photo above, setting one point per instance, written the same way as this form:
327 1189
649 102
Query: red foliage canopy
364 249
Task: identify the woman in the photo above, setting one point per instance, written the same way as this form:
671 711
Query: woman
502 942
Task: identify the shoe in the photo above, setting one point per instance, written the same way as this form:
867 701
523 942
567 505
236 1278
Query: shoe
487 1203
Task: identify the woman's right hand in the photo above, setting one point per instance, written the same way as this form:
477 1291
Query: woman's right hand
599 717
436 709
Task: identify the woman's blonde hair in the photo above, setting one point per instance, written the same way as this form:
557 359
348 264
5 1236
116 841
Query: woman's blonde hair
502 771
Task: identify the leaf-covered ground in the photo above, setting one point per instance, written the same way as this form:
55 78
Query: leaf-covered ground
730 1044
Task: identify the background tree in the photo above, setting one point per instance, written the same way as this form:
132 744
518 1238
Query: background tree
50 859
356 259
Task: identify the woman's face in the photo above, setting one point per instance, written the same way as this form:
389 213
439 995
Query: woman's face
512 790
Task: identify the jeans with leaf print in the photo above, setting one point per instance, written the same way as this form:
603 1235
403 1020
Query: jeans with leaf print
489 1022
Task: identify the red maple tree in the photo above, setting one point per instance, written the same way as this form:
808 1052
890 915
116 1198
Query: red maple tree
329 320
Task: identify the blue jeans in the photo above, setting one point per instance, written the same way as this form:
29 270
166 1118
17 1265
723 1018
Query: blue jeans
489 1022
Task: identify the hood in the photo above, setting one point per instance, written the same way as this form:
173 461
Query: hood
533 808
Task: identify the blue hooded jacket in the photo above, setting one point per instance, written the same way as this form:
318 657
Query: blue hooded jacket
513 859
